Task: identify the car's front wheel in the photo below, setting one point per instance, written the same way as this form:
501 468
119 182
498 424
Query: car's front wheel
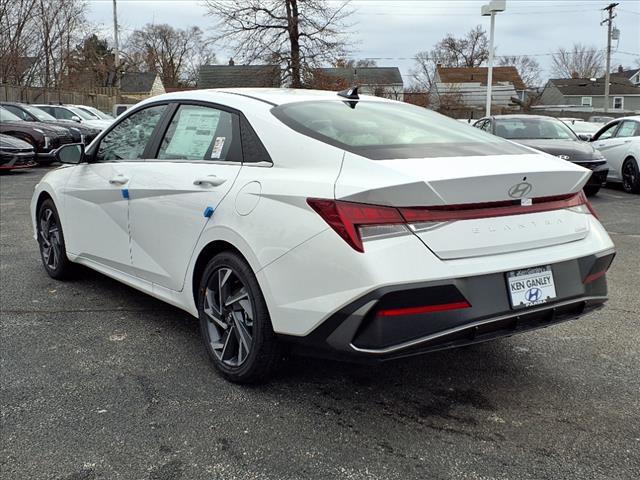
630 176
51 241
234 321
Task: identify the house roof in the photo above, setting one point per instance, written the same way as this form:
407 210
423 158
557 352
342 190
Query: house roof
229 76
364 75
137 82
479 74
626 73
591 87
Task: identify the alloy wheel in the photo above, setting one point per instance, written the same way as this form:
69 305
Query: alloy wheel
227 305
629 175
49 233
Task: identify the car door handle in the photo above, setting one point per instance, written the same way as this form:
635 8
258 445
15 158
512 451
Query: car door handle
210 180
119 180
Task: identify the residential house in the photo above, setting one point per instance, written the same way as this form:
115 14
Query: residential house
587 94
229 76
467 86
380 81
632 75
141 84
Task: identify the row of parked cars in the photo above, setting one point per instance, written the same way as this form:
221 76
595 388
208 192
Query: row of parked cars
30 134
611 150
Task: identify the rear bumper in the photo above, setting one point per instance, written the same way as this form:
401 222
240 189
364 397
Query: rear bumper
357 333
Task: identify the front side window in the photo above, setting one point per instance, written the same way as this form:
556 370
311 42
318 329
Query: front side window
201 133
381 130
63 113
523 128
618 103
129 138
7 116
628 128
608 132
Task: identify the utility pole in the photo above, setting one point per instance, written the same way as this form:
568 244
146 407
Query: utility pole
116 51
609 22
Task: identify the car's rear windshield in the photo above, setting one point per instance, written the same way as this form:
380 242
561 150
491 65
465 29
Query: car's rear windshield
533 128
385 130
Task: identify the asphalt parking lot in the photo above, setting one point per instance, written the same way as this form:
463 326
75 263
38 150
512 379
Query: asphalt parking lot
99 381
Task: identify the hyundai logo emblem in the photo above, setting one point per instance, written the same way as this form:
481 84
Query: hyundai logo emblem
520 190
533 294
564 157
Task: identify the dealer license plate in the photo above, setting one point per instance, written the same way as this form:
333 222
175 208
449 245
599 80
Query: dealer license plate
531 286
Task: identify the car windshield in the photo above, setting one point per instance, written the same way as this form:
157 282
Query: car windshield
81 113
533 128
7 116
389 130
39 114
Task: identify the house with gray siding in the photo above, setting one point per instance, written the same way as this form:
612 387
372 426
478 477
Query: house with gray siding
587 94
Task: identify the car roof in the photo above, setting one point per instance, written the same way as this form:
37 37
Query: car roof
273 96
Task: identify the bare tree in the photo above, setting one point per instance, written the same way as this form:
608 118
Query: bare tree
528 68
471 50
579 62
352 63
296 34
174 54
37 39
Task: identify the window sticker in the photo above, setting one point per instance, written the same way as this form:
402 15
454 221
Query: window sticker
218 145
193 133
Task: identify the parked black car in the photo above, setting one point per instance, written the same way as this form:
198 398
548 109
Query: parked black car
552 136
15 153
81 133
42 137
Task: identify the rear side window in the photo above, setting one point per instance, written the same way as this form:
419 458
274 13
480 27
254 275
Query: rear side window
381 130
129 138
201 133
628 128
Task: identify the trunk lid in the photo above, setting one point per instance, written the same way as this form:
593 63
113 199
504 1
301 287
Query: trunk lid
472 180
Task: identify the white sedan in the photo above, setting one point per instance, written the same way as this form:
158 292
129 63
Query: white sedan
619 142
335 224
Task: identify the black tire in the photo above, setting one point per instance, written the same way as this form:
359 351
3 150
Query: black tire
630 176
236 331
591 190
51 242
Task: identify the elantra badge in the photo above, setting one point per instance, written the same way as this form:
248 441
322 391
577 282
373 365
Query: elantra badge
520 190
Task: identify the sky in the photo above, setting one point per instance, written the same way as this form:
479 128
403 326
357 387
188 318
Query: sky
392 32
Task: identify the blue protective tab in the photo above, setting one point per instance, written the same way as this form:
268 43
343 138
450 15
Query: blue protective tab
125 193
208 212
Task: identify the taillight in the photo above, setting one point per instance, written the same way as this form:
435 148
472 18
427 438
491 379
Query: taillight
355 222
350 220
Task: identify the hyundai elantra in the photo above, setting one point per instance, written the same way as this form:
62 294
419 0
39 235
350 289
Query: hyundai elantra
332 224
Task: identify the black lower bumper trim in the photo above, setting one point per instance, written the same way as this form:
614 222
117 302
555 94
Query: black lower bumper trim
357 331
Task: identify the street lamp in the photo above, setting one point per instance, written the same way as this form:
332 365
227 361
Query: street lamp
490 10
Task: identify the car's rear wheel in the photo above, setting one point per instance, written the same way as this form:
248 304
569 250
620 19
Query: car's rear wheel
630 176
234 321
591 190
51 241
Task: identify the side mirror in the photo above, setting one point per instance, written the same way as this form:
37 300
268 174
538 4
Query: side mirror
71 153
585 137
75 118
